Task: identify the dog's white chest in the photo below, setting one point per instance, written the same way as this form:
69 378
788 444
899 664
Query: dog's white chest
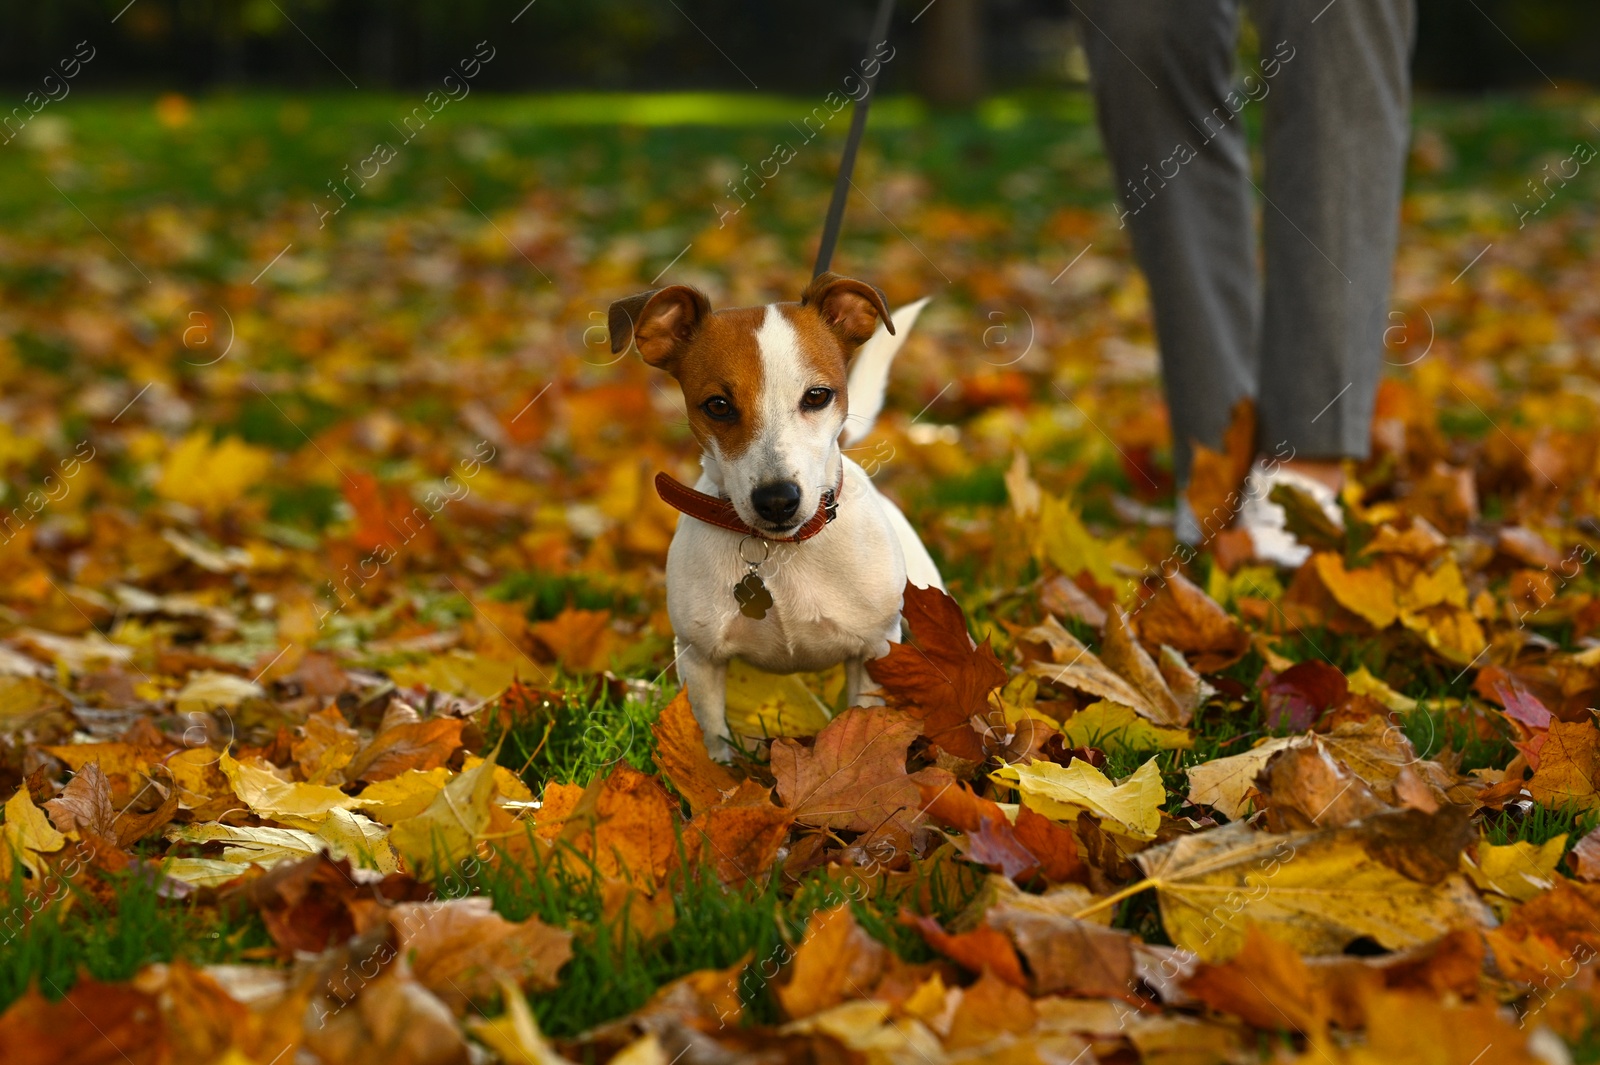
834 597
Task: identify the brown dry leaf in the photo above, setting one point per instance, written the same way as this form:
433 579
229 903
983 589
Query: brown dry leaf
742 834
1585 857
681 755
854 778
95 1024
419 745
394 1020
580 640
989 1009
1066 955
325 746
556 804
624 824
1546 932
940 677
460 948
1267 985
1182 616
85 803
1303 787
1122 653
1567 766
981 949
1073 665
1034 845
1216 477
835 961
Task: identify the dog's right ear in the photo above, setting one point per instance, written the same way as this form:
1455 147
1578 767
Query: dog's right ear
660 322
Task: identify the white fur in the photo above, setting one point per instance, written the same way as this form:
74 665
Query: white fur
837 596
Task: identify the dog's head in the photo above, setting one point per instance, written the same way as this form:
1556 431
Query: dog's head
764 386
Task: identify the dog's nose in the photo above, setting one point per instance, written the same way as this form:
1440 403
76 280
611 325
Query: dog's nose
777 501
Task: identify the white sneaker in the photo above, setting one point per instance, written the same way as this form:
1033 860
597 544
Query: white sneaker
1185 529
1265 520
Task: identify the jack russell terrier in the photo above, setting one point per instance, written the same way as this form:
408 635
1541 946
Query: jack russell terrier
787 555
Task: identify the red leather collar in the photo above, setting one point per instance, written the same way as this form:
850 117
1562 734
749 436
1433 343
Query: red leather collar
721 513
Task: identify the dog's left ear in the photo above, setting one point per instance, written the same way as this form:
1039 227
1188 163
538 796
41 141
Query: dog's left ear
850 308
661 321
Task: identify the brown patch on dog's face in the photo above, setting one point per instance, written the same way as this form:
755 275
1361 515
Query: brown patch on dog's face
723 362
823 354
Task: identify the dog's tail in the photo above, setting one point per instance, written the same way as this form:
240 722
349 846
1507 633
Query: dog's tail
869 377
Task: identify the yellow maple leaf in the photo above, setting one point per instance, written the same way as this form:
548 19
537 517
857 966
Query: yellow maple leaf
1131 808
1061 538
447 830
1317 891
294 804
1519 870
403 796
1368 591
211 475
772 704
27 834
1113 727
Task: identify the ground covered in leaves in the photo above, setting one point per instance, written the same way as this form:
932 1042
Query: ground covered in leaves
336 709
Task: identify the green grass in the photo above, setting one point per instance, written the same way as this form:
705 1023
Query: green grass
1539 825
572 733
614 969
80 935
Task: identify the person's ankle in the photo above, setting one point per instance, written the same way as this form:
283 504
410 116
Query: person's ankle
1328 472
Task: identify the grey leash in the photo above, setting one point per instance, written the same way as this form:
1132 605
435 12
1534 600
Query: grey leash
858 126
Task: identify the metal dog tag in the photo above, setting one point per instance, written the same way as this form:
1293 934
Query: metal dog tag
752 596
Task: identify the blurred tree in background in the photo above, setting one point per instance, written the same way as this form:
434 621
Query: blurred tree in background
955 49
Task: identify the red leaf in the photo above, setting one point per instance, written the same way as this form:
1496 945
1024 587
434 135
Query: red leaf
940 677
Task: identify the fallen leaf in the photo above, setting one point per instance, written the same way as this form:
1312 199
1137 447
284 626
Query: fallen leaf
1567 766
743 833
269 795
1131 808
625 824
1298 697
1216 477
94 1024
681 754
1034 845
981 949
1225 784
1317 891
1182 616
940 677
460 949
420 746
835 961
1112 727
854 776
1122 654
448 828
27 834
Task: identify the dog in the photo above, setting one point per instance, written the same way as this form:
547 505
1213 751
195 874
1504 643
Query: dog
786 556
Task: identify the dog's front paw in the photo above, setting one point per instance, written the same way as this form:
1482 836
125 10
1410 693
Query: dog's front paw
719 748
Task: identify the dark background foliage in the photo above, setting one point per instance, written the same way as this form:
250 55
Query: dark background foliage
957 48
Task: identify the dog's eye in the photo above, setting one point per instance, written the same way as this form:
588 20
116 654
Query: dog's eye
816 398
719 408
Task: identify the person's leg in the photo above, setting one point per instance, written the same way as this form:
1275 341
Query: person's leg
1162 73
1337 127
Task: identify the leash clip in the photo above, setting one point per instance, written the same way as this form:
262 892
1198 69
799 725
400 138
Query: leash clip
830 504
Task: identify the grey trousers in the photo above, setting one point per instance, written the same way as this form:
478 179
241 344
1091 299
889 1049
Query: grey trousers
1334 85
